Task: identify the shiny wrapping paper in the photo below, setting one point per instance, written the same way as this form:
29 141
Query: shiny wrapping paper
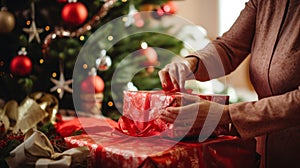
35 109
142 108
111 148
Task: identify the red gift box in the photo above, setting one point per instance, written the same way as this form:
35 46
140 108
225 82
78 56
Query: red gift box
110 148
142 108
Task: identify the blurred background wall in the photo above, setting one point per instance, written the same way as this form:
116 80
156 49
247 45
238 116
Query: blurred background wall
216 16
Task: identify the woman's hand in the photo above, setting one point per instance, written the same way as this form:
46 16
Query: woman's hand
194 111
174 75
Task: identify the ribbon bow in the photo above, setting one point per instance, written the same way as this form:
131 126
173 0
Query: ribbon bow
36 150
36 108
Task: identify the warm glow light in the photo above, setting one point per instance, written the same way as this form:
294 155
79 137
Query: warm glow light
42 61
144 45
1 63
47 28
54 74
53 36
88 27
85 66
81 38
124 0
110 103
166 8
110 38
28 22
58 90
124 19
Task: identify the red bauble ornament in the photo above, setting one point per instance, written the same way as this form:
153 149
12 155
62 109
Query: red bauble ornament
151 55
157 14
74 13
169 8
93 83
21 65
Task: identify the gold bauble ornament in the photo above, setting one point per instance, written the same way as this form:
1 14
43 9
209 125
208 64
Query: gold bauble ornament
7 21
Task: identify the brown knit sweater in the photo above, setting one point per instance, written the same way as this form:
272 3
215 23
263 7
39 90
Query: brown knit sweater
269 30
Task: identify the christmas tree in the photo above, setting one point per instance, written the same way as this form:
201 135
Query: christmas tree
41 40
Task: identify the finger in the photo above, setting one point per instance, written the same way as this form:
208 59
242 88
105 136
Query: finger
166 82
184 115
184 112
166 119
189 123
173 71
184 98
184 123
188 119
180 70
178 76
168 116
183 71
191 97
163 73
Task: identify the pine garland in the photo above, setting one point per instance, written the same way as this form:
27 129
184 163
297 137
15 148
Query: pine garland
10 141
7 143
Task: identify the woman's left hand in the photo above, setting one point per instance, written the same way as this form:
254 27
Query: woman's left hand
193 110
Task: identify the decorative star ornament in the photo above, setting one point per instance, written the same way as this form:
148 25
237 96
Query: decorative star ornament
61 85
33 31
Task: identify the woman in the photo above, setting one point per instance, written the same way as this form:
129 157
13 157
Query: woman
269 31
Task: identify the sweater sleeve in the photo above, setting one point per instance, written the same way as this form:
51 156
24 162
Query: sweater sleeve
266 115
224 54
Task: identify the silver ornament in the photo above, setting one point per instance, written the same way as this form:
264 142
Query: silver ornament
103 63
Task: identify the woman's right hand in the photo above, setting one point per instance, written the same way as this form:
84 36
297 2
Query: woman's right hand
174 75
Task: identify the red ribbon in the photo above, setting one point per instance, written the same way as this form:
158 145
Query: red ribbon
156 126
140 129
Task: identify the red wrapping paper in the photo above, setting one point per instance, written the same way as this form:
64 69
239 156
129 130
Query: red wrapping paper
141 110
110 148
136 140
68 127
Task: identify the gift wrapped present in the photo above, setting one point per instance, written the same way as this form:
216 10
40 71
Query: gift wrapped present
142 108
111 148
